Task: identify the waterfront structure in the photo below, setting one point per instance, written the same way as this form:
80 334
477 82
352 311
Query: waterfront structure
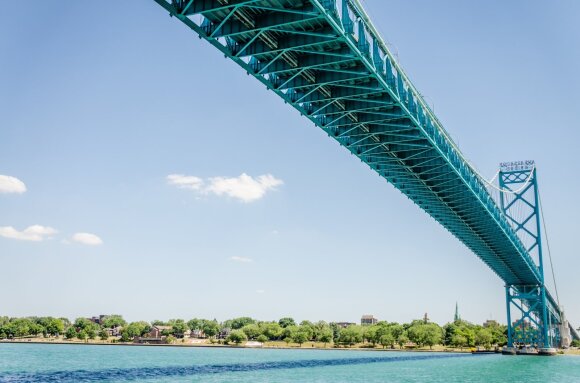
327 60
157 331
345 324
368 320
456 318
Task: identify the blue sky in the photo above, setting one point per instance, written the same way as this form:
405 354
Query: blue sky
100 104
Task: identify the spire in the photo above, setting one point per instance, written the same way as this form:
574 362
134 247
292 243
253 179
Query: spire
457 317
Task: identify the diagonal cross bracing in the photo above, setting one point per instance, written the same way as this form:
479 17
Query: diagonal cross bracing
326 59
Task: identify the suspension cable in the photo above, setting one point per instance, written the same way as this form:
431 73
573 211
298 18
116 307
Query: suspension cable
548 247
508 191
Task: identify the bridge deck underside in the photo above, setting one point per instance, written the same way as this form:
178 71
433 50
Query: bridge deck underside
332 68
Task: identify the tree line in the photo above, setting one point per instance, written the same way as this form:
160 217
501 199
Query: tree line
420 333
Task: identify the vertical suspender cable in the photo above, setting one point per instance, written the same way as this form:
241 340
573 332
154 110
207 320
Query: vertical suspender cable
548 247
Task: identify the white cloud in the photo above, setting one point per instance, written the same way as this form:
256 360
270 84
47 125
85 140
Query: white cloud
10 184
87 239
244 188
241 259
185 182
260 291
31 233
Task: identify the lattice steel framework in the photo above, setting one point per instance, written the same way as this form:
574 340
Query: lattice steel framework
539 316
326 59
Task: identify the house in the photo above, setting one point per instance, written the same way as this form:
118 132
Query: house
366 320
197 333
157 331
115 331
98 319
224 332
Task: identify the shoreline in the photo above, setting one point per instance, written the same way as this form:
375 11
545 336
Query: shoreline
190 345
569 352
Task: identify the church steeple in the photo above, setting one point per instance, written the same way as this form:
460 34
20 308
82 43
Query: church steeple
457 317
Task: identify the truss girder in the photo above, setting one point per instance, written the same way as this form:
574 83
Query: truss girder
327 61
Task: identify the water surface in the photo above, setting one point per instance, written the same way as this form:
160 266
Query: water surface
36 363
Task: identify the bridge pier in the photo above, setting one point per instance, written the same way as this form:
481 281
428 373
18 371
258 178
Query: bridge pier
538 313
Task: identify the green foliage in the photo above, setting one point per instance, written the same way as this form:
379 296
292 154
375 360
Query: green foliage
111 321
82 335
252 331
271 330
387 340
262 338
195 324
238 323
134 329
402 339
285 322
425 334
289 331
325 335
170 339
179 327
237 337
483 337
459 340
351 335
300 336
211 328
575 343
158 322
103 334
71 333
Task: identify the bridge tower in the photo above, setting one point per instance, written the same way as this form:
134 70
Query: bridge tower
536 319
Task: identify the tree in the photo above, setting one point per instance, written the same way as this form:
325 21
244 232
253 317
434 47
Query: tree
236 336
285 322
325 335
179 327
433 334
459 340
272 330
104 334
483 337
54 326
307 329
387 340
351 335
238 323
289 331
112 321
170 339
287 340
195 324
158 322
300 337
211 328
370 333
402 339
134 329
70 333
82 335
262 338
252 331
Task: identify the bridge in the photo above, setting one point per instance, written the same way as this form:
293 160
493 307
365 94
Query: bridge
326 59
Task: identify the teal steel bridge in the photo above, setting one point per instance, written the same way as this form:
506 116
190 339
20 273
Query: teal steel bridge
326 59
